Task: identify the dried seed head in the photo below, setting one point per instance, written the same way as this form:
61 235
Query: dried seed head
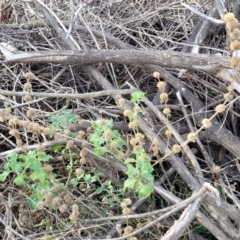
135 122
70 144
19 143
83 187
191 137
139 137
121 155
168 133
133 141
85 144
220 108
73 217
79 171
155 141
126 211
228 96
31 112
161 85
40 205
46 131
57 136
27 98
139 225
235 62
55 188
166 111
7 111
13 122
206 123
131 125
235 45
102 122
63 208
156 75
121 102
43 191
81 133
127 112
41 148
163 97
137 148
232 25
216 169
80 121
27 86
48 168
83 161
67 198
128 229
137 109
36 127
155 148
75 208
176 148
29 75
107 133
14 133
230 88
83 153
113 144
56 201
235 34
126 202
66 132
228 17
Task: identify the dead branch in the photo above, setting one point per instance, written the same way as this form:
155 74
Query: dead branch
167 59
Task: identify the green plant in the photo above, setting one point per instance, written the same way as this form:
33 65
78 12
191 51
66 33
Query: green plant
29 172
105 139
62 118
139 173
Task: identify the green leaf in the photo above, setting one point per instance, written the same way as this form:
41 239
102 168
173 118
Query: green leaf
99 190
132 171
36 166
145 190
34 199
74 181
132 116
130 160
147 170
120 142
12 157
42 156
19 180
41 176
100 151
17 166
109 123
63 118
96 140
7 167
3 176
56 148
129 183
137 97
115 134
